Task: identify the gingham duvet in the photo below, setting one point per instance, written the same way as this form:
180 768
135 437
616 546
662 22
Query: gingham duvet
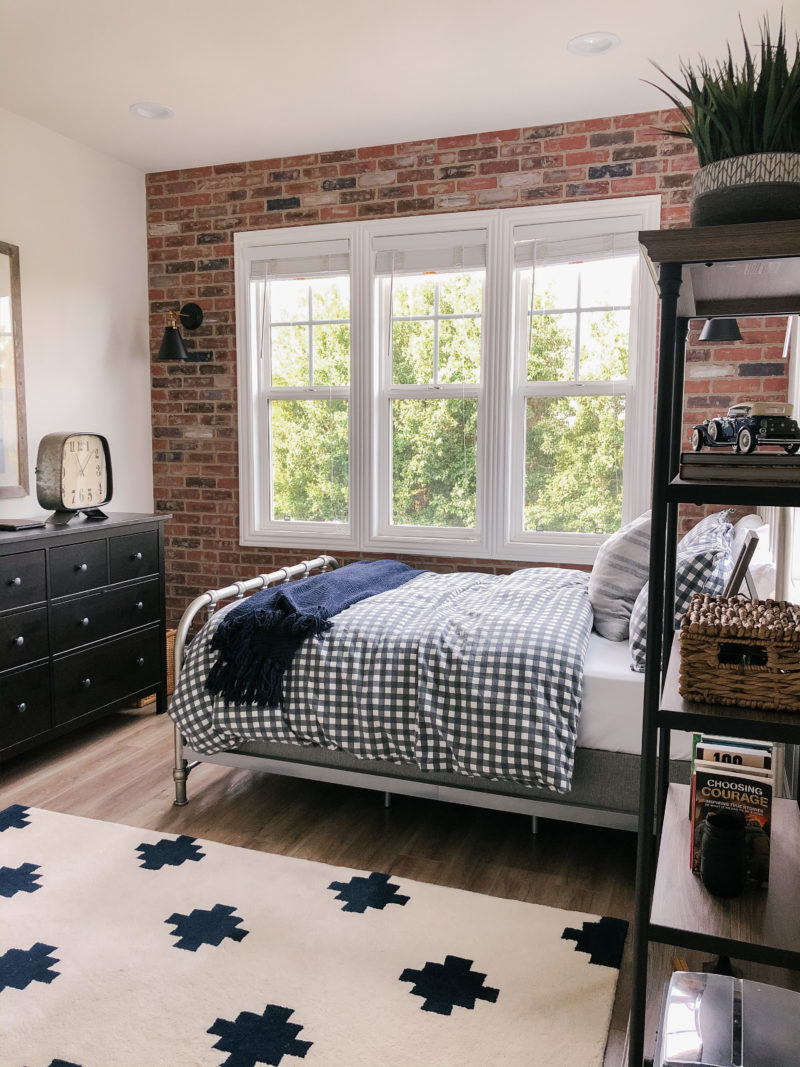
472 673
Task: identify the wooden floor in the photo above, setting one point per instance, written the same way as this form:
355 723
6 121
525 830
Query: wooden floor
119 769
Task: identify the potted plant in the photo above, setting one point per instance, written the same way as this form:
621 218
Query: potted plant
744 122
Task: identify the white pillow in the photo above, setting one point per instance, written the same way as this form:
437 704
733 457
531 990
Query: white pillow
619 572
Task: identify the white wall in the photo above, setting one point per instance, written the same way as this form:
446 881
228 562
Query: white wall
78 218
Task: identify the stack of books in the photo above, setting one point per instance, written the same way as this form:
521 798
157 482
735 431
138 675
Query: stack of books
729 774
763 468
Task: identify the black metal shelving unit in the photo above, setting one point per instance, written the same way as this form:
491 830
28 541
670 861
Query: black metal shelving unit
742 270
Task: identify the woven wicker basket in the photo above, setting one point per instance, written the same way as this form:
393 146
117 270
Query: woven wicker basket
170 672
741 652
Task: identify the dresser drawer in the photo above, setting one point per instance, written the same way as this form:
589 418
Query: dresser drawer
133 556
83 681
23 637
76 568
22 579
24 705
98 615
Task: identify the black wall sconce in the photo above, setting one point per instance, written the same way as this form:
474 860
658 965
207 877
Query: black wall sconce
172 346
720 330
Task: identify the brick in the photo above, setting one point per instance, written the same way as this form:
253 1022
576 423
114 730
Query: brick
356 196
611 170
761 370
461 170
329 184
283 203
469 155
613 137
498 166
535 133
337 157
415 204
497 136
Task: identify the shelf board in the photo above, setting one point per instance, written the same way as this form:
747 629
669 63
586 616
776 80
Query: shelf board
722 276
759 925
783 494
678 714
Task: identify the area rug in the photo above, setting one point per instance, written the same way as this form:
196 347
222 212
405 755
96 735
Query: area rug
124 947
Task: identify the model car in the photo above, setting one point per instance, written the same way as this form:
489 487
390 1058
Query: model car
748 424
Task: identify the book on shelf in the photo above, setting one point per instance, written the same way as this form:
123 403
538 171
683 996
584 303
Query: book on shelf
728 751
764 467
740 752
724 788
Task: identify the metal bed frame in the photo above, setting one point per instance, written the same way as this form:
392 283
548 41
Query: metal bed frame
597 800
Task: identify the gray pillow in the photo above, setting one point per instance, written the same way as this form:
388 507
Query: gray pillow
703 563
619 572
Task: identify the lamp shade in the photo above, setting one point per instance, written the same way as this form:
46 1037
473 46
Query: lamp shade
720 330
172 346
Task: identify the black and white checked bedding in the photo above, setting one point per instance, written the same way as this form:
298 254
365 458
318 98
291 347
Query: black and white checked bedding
473 673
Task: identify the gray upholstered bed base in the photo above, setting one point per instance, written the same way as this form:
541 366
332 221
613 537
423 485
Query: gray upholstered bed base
605 785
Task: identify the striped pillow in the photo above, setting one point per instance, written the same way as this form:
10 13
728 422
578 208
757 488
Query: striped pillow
703 564
619 572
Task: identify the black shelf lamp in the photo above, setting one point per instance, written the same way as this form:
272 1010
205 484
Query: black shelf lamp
720 330
172 346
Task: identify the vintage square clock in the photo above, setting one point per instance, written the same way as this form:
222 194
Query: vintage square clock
73 474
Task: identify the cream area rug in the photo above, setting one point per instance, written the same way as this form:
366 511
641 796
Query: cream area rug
124 947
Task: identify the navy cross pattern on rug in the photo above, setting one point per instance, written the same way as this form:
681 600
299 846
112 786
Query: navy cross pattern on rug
19 967
448 985
20 879
202 927
373 892
266 1038
169 853
62 1063
15 817
604 940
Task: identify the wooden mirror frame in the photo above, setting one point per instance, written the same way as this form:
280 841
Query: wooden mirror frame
14 481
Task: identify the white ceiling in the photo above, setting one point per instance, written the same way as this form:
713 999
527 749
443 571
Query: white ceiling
258 79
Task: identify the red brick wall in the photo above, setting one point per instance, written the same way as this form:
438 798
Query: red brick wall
192 216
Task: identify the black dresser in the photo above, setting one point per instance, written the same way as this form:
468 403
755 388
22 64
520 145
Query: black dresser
82 627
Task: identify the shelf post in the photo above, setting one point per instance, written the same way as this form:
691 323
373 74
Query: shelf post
669 289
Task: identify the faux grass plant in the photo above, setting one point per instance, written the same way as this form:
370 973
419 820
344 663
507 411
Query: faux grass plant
731 110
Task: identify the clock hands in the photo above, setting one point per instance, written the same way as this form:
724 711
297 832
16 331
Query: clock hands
83 466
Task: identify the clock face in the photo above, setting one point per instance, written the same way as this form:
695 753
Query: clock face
84 473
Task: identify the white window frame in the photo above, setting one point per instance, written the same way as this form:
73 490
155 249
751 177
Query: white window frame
586 220
496 534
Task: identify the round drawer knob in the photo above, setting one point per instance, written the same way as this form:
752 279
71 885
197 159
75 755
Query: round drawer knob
139 605
22 708
83 567
15 581
19 641
137 556
86 683
140 661
85 621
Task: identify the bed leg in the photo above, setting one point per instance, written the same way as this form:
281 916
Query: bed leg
180 769
387 799
179 776
534 824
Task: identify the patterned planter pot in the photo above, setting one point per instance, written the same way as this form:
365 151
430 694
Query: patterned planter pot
764 187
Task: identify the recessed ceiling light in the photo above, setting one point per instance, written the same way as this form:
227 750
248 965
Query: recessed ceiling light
593 44
147 109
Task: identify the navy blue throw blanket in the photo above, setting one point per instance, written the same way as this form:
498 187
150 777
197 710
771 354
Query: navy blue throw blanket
257 639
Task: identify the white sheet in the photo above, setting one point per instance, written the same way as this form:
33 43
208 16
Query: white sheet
611 714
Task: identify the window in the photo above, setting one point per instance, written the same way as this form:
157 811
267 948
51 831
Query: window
429 295
463 384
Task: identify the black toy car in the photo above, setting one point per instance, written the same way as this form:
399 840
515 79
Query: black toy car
748 424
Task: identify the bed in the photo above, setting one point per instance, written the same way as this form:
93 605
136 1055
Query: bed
603 785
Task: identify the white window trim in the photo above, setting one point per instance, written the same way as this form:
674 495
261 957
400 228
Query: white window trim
492 537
